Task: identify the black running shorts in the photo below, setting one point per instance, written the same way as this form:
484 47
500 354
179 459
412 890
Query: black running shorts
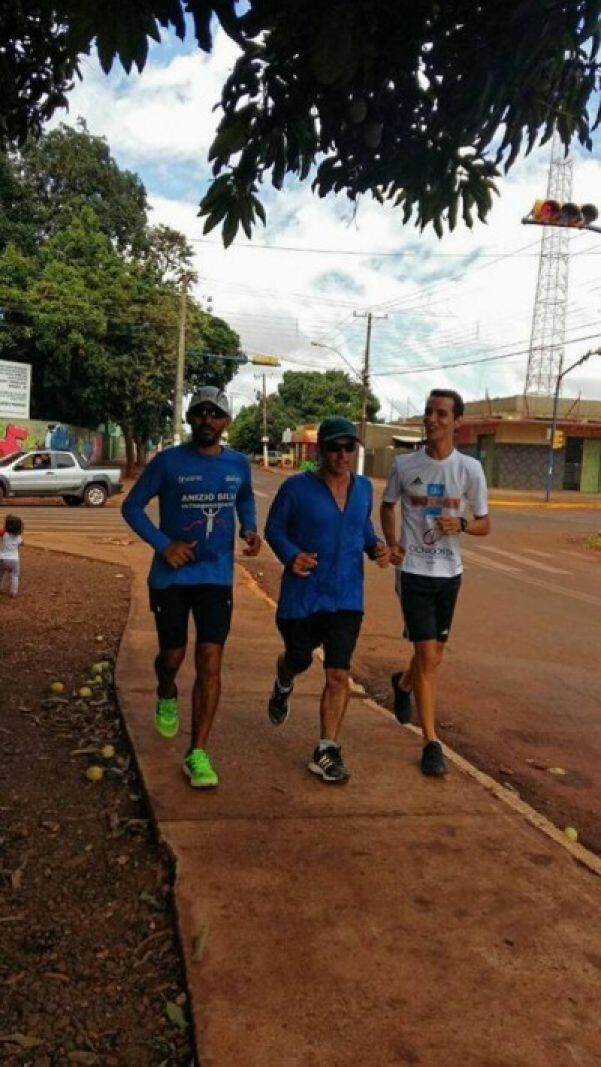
336 631
211 606
428 605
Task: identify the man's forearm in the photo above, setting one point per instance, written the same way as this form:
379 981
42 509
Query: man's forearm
478 527
388 523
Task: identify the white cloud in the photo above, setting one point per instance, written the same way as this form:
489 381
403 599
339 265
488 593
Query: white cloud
463 298
164 115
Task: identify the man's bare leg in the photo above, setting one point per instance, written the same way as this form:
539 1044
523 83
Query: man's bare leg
407 679
334 700
327 758
166 665
426 660
206 692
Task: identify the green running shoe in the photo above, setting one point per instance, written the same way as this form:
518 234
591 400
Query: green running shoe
198 768
167 717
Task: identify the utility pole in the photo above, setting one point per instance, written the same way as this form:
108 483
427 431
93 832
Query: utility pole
560 377
365 383
178 399
265 361
265 435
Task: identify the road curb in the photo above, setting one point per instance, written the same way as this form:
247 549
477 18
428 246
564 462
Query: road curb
542 504
515 803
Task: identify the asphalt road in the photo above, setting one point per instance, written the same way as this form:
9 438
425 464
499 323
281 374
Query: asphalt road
520 690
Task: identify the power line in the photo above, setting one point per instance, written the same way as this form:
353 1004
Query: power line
411 252
507 344
471 362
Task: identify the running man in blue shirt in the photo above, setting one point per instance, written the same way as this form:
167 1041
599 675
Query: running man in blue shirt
199 485
319 526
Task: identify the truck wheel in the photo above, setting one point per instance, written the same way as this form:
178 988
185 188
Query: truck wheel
94 496
73 501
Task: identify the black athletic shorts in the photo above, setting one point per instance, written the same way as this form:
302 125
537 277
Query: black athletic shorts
211 606
337 631
428 605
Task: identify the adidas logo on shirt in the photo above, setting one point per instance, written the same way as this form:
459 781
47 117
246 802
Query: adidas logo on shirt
417 481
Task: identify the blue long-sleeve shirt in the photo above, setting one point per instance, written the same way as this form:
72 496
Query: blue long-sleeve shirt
304 517
198 495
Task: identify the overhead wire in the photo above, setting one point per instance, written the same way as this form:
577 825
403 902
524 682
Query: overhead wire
472 362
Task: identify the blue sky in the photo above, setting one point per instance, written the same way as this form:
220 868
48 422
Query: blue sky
467 297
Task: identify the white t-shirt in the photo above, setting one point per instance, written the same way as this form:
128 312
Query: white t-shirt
9 546
427 488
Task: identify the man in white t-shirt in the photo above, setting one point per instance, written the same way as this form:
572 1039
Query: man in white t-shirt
436 487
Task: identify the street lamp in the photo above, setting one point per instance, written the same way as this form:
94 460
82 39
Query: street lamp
319 344
560 377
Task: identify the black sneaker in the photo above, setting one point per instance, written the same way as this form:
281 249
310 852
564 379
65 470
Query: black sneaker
327 763
402 699
279 704
433 760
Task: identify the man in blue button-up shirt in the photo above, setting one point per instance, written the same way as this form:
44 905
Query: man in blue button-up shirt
319 526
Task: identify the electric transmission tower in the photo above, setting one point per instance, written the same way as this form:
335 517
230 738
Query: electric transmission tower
547 337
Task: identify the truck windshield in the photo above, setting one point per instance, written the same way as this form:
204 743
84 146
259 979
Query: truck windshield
5 460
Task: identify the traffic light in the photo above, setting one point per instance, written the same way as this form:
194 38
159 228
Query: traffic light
563 213
265 361
558 439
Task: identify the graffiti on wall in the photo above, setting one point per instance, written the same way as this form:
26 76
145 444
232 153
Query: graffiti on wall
29 434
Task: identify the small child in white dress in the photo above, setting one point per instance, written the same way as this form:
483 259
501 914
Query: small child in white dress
10 540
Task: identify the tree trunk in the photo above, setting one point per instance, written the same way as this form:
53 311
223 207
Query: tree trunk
130 459
141 453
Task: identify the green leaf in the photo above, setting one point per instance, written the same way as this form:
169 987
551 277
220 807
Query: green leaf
175 1014
199 942
259 209
22 1040
202 14
468 201
453 209
232 136
230 226
246 217
279 171
337 50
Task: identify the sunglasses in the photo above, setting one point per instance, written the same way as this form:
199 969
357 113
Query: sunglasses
341 446
208 412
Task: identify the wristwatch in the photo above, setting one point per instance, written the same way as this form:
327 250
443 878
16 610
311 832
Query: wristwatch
462 524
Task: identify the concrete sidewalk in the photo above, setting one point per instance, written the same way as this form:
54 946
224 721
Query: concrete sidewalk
396 920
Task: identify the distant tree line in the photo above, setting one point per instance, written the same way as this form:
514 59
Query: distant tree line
300 398
90 291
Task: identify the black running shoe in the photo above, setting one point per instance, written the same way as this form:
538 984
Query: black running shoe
433 760
279 704
402 699
327 763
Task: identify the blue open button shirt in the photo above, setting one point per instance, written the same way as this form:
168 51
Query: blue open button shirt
305 517
198 497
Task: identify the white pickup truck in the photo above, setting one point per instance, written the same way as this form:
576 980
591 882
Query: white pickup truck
53 472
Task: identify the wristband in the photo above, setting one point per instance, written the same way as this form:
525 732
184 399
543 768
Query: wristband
462 524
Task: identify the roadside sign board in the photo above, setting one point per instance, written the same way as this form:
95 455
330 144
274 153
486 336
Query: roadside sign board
15 388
